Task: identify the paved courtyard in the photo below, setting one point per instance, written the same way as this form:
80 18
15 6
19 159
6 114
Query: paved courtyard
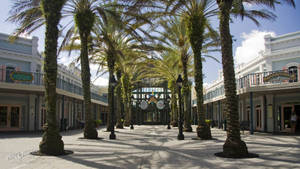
149 147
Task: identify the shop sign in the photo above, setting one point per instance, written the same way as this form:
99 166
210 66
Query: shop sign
21 76
277 76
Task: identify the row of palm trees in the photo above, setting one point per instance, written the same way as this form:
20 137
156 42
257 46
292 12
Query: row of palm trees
113 34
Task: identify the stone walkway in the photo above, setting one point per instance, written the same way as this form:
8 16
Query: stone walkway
149 147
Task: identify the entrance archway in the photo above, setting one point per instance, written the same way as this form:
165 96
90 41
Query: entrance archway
151 104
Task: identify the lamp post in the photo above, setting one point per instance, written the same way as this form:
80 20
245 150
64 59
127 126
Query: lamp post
180 127
113 83
131 121
168 108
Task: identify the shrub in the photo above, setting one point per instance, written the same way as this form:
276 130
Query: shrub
98 122
208 122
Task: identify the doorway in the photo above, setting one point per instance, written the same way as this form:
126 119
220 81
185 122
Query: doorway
10 117
297 111
286 117
258 117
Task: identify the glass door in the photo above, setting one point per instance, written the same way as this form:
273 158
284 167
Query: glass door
3 116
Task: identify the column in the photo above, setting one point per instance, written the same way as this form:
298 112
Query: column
265 113
251 113
219 114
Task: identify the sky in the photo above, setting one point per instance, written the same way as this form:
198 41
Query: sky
248 38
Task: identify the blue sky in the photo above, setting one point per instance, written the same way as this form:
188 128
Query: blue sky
287 21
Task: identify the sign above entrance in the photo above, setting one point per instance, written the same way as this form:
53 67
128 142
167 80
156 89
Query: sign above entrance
277 76
160 105
144 105
21 76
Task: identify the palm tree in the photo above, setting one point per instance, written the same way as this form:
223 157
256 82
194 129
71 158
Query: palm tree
196 14
234 146
168 67
48 13
106 18
175 35
84 17
120 106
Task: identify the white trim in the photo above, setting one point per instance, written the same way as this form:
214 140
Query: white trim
292 64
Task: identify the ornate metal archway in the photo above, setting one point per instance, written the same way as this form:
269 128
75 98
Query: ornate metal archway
150 103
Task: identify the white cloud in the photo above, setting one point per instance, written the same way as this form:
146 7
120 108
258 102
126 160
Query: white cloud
65 59
252 45
247 5
100 81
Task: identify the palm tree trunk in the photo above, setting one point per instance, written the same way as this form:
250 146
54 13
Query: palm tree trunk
126 98
196 31
234 146
90 131
85 20
51 143
119 101
185 91
111 68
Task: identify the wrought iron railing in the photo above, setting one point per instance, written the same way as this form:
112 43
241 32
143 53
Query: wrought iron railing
37 79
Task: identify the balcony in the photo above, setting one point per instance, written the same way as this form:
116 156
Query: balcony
272 80
37 79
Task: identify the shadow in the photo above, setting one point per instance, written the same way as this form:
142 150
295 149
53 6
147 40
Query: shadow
88 163
155 147
21 134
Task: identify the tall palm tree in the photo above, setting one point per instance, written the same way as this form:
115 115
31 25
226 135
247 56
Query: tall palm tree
196 14
174 34
84 17
48 13
107 18
120 107
234 146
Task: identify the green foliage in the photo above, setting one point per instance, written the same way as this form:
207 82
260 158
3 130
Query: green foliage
207 121
98 122
84 20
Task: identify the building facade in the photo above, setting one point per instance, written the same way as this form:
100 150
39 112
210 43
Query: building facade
22 102
268 88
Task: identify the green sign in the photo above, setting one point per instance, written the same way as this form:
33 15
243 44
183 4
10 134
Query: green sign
21 76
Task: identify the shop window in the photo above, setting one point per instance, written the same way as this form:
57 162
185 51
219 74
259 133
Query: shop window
3 116
293 72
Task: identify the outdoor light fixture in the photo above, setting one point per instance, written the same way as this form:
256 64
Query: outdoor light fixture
113 83
180 127
131 121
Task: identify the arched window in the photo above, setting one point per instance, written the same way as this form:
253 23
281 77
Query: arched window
293 72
